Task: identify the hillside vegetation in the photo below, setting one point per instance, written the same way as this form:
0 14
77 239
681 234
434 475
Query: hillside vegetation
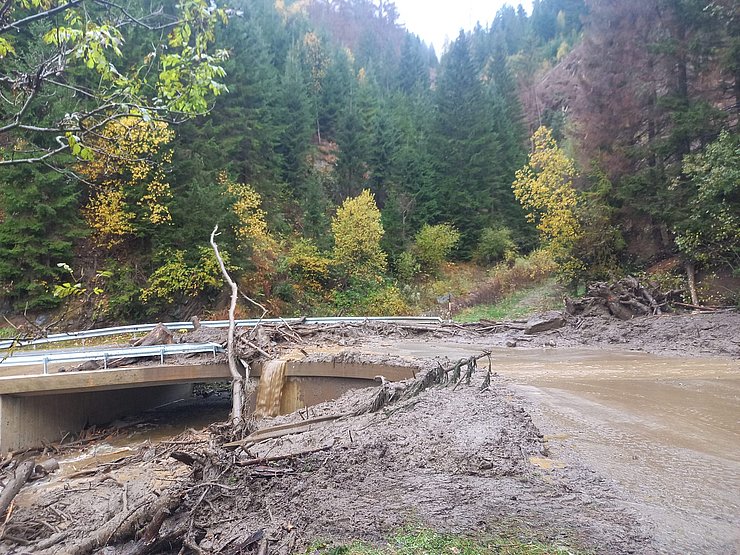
347 164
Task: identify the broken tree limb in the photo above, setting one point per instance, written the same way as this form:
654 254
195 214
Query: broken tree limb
125 525
691 278
263 460
703 308
237 381
287 429
20 476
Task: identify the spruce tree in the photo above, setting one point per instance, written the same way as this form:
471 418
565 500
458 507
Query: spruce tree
38 224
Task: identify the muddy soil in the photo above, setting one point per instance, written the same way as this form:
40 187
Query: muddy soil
699 334
685 334
452 458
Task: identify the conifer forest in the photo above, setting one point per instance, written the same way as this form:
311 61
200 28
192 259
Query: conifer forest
350 167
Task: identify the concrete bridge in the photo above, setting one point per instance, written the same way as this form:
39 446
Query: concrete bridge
37 407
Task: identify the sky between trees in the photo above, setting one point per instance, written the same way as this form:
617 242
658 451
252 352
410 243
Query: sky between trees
439 21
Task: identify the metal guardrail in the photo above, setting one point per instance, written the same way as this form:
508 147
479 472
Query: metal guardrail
146 328
106 355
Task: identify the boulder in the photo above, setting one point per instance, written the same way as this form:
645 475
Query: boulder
544 322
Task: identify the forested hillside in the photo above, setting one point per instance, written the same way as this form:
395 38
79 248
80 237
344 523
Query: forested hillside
344 162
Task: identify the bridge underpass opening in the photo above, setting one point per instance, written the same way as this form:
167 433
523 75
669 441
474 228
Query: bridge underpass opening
42 409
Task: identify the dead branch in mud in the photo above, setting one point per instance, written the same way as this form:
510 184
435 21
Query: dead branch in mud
281 430
263 460
160 533
237 381
703 308
145 520
21 475
390 393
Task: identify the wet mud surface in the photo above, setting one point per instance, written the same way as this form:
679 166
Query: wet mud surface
662 430
451 458
602 450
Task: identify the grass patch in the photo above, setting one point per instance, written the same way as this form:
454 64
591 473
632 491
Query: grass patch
427 542
120 340
547 296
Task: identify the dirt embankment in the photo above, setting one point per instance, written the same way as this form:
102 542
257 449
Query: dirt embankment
684 334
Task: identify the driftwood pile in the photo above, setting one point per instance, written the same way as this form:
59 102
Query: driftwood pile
624 299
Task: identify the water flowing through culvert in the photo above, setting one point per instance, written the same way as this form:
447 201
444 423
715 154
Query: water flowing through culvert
270 389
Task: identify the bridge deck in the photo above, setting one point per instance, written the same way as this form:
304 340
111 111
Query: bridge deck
147 376
112 378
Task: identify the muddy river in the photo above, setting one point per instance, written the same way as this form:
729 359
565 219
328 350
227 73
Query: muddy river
665 431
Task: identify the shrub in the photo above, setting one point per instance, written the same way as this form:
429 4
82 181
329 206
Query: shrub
433 244
387 301
307 266
124 293
495 244
407 267
177 277
362 298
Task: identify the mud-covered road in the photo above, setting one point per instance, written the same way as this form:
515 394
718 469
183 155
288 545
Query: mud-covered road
662 430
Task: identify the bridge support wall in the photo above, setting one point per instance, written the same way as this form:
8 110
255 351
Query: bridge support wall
30 420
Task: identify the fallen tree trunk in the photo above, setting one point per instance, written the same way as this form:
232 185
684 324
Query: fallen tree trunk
237 380
20 477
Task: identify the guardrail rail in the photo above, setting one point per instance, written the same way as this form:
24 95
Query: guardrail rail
107 355
146 328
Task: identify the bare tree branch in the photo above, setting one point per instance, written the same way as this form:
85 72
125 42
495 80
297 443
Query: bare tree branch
237 381
137 21
41 15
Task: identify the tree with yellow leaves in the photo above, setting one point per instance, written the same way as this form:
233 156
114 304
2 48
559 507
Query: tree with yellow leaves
101 61
544 187
129 187
252 232
357 230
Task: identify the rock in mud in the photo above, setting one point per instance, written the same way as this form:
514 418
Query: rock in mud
544 322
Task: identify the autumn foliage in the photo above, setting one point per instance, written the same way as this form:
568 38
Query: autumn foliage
129 187
357 231
545 189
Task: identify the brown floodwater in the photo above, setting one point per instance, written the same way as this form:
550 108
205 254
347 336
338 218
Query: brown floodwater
665 431
270 388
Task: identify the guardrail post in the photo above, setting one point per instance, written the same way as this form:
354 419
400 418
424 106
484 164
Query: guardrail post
161 356
105 361
46 365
